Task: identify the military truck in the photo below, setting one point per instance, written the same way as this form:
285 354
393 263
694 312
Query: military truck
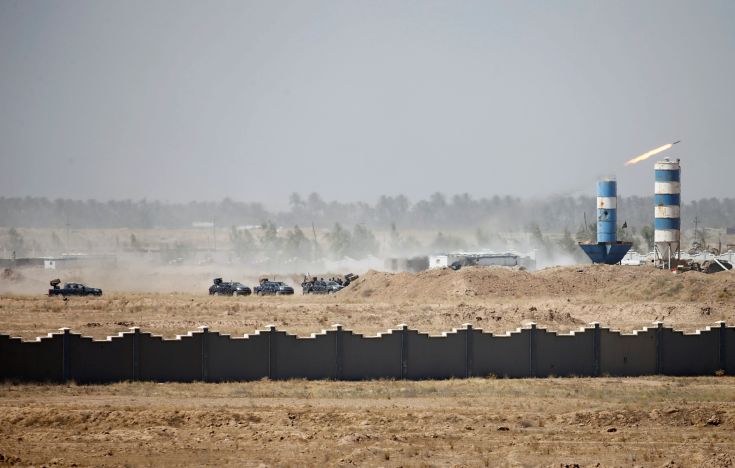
333 285
273 288
320 286
228 288
72 289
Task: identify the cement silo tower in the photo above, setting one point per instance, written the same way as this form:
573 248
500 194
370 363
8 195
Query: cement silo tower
607 249
607 210
667 200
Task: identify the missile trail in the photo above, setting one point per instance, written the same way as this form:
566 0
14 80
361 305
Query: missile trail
648 154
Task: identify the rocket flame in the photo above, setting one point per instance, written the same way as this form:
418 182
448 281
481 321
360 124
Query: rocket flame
648 154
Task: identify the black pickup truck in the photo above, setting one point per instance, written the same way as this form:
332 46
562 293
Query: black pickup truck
331 286
275 288
228 288
320 287
72 289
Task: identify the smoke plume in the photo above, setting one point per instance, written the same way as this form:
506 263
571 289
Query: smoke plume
648 154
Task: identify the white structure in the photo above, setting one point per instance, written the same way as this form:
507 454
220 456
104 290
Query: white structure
506 259
438 261
633 258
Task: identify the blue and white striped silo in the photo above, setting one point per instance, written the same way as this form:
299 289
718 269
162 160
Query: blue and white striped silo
667 212
607 210
607 249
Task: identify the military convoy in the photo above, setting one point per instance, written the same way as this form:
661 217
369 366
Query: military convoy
234 288
219 287
266 287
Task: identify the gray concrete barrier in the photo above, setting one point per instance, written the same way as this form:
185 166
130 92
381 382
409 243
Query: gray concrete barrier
340 354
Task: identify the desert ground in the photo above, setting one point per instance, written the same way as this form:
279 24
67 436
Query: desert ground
652 421
494 299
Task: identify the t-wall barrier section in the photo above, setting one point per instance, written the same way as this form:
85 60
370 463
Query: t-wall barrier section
340 354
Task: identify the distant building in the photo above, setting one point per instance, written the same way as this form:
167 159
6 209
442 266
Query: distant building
61 262
506 259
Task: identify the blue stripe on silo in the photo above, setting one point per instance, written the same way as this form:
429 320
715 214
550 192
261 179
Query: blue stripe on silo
607 215
606 188
668 199
668 223
667 176
607 225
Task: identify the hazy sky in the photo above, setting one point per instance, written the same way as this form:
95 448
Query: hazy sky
200 100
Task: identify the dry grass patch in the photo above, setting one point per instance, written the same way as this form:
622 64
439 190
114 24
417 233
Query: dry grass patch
483 422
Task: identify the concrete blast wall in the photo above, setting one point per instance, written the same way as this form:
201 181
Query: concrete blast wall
340 354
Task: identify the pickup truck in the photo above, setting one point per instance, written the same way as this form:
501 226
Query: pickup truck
72 289
228 288
275 288
320 287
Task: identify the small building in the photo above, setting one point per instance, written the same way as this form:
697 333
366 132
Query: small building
504 259
71 260
438 261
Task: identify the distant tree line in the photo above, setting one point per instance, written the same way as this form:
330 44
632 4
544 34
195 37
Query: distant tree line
293 244
438 212
552 227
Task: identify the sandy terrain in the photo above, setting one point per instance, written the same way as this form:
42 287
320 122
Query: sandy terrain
550 422
170 315
652 421
496 300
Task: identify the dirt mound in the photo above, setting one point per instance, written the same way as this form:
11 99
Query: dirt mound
702 416
598 282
